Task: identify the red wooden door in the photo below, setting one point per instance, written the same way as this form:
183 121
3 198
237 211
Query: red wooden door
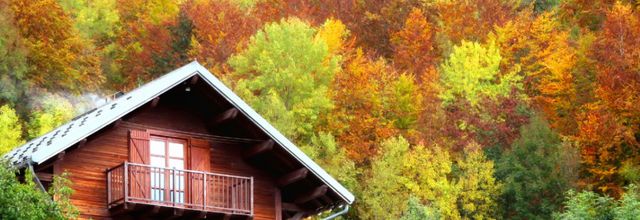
199 161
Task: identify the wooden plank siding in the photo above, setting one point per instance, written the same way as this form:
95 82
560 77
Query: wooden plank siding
110 148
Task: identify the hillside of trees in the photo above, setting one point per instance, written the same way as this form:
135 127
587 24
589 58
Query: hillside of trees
425 109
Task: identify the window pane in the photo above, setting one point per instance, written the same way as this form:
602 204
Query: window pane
176 196
176 150
157 147
179 185
157 179
176 163
180 197
180 182
158 161
157 194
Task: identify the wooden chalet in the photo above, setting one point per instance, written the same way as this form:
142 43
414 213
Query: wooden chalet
183 146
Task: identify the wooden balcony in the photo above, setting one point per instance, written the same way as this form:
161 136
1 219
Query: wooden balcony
156 192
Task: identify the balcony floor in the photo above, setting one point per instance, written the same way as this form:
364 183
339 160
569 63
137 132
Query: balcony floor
134 210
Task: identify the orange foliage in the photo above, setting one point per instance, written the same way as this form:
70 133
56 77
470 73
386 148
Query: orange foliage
414 48
471 20
544 55
145 38
358 117
610 128
371 21
59 58
431 119
219 32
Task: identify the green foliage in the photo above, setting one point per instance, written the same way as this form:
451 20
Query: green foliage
590 205
10 129
286 68
61 190
53 112
586 205
95 19
472 72
545 5
13 63
630 171
25 201
385 192
629 206
332 158
532 173
404 102
417 211
403 171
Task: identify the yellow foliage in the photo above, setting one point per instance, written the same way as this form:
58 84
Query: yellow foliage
478 188
542 53
10 129
334 33
427 170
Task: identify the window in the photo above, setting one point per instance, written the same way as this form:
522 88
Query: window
167 160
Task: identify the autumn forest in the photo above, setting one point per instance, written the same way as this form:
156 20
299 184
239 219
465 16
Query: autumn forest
425 109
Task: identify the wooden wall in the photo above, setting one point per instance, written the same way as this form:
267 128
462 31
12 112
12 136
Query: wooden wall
109 148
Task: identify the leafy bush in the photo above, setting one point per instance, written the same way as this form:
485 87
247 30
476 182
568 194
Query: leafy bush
24 201
589 205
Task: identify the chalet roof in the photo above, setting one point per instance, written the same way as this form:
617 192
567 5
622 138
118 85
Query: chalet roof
42 148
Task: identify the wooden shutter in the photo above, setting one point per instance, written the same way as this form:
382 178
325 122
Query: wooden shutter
199 151
199 160
139 146
139 177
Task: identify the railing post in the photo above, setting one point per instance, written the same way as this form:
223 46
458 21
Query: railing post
108 188
173 186
204 189
126 182
252 196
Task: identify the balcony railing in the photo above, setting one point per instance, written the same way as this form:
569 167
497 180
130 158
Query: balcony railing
184 189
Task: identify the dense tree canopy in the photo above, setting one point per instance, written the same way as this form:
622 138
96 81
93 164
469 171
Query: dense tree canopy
535 173
472 72
59 57
286 67
424 109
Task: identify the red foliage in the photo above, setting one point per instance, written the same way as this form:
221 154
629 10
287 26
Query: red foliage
495 123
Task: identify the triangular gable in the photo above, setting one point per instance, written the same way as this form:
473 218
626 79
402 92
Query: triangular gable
42 148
